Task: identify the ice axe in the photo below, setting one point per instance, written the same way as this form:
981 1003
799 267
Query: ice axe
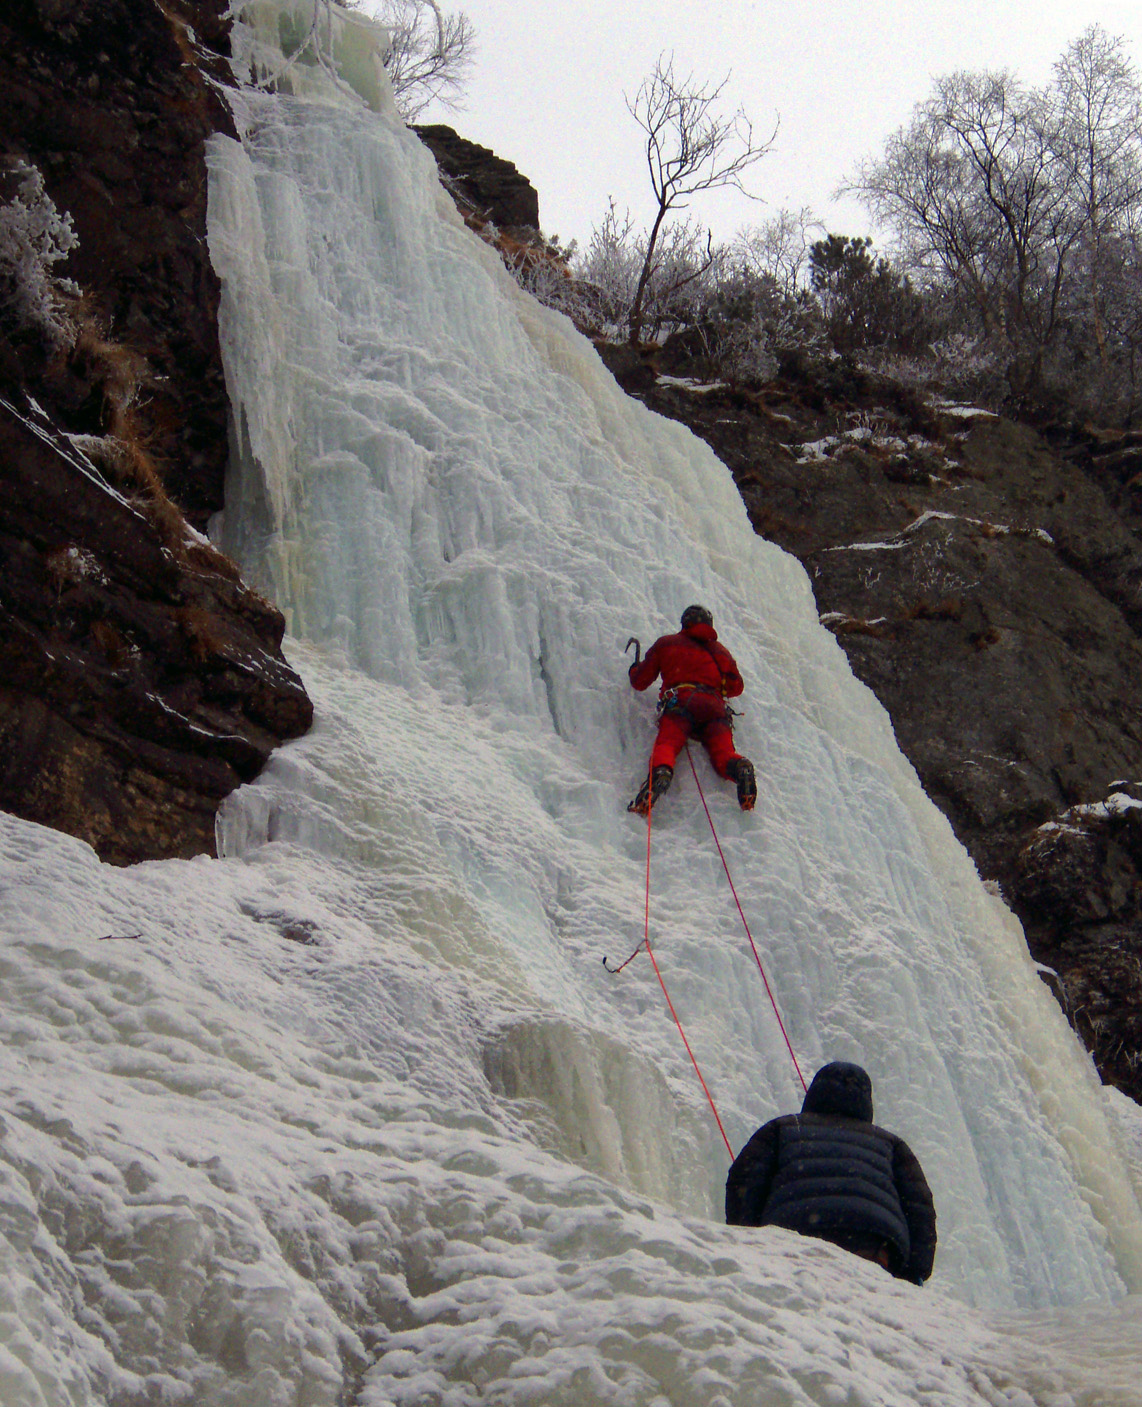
637 649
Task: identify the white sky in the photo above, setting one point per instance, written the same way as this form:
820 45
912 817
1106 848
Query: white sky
547 90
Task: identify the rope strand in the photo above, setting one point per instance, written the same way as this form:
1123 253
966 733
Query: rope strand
745 924
689 1052
661 982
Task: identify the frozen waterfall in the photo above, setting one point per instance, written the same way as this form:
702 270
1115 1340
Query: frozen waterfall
360 1116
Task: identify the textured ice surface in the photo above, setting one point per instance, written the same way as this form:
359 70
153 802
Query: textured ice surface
355 1114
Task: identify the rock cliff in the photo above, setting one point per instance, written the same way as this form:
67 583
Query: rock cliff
140 680
484 186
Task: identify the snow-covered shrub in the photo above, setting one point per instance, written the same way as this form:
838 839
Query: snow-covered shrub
732 332
34 236
748 356
958 366
751 327
683 275
609 269
548 279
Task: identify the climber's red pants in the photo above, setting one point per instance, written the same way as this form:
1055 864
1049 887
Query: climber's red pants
704 715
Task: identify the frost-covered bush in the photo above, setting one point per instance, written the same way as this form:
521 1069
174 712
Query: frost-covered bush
778 330
547 278
748 330
959 366
34 236
608 268
749 357
683 274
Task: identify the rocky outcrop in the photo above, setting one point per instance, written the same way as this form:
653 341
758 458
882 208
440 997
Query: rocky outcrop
484 186
988 589
140 680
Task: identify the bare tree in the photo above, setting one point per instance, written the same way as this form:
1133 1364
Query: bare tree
973 185
1098 101
779 248
690 147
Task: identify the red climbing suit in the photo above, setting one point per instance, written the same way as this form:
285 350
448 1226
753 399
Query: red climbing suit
698 675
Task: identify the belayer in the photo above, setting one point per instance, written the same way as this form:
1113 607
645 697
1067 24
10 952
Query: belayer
698 676
831 1172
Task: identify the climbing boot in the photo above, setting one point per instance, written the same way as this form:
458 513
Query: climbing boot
740 770
654 787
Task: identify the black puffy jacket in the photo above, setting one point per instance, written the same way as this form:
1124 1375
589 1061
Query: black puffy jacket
831 1172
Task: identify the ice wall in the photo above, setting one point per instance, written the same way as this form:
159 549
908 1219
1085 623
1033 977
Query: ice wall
451 498
354 1113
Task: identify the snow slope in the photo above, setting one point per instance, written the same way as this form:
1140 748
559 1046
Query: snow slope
355 1112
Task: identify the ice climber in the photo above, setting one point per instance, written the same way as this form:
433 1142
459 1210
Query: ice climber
698 676
831 1172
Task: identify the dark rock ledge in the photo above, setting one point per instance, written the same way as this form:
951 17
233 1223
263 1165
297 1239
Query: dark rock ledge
138 685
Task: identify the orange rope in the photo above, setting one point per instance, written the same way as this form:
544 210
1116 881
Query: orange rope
689 1052
745 925
654 963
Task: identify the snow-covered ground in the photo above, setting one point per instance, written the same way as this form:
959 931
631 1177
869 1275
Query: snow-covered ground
355 1114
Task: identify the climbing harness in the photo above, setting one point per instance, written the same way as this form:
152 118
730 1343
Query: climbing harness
671 700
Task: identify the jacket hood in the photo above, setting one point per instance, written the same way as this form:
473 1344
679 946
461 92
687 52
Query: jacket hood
840 1088
701 631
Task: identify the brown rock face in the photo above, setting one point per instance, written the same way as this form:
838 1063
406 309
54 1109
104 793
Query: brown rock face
139 686
140 680
111 100
481 182
988 589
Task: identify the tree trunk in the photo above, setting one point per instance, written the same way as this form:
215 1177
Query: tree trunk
635 320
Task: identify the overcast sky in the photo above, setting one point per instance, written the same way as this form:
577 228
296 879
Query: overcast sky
547 88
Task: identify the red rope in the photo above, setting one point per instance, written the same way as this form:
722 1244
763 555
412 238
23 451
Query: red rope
649 818
689 1052
745 924
654 963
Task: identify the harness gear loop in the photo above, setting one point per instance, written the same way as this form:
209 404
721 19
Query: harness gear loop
745 923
